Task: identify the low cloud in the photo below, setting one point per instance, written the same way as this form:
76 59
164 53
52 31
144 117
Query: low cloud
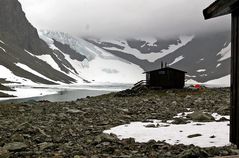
123 18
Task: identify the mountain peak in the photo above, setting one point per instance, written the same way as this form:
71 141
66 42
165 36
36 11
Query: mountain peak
16 29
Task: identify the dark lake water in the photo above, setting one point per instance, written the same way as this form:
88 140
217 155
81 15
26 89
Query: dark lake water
65 95
68 94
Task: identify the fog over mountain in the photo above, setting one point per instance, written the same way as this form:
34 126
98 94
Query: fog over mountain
123 18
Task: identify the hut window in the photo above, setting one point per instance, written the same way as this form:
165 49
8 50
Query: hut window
161 72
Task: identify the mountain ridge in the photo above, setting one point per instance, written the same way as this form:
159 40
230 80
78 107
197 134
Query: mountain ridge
201 52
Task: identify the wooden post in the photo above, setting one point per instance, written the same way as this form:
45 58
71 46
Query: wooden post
234 124
219 8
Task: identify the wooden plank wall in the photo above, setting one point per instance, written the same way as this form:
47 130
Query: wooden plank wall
234 125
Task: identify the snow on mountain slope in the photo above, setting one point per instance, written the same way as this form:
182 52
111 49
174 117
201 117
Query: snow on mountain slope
176 60
48 59
190 53
9 76
27 68
149 41
153 56
2 42
99 65
223 81
21 91
225 53
3 49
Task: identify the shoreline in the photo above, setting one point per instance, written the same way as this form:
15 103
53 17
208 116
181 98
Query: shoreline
28 92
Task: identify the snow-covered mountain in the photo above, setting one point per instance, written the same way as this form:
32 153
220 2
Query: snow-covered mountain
29 57
205 57
77 59
96 64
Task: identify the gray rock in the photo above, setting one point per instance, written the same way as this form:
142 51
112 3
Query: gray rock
201 117
168 154
194 152
224 153
45 145
235 151
198 100
223 119
224 109
179 121
194 135
105 138
4 153
150 126
174 103
17 138
74 111
15 146
123 110
188 97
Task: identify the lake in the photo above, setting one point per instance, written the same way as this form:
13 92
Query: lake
68 94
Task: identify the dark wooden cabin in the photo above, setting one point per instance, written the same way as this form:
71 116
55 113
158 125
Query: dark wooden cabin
165 78
219 8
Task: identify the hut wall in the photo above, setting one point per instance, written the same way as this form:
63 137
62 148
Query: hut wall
158 78
166 79
177 79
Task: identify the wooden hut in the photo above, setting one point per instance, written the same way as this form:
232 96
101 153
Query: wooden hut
165 78
219 8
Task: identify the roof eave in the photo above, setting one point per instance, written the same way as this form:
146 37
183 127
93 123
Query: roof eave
220 8
164 69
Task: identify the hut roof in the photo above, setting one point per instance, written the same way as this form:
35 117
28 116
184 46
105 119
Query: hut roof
221 7
166 68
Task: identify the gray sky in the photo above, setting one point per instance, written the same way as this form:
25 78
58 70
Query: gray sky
122 18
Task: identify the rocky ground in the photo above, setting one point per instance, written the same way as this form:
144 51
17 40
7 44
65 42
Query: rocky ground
74 129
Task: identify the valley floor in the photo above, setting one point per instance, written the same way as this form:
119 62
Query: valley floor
75 129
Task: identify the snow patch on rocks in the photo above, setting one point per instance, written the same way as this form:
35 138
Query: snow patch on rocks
206 134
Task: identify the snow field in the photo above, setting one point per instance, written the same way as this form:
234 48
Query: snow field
212 133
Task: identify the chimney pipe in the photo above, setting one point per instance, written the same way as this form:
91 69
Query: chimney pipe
161 64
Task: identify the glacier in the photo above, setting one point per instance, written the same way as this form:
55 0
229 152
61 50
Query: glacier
96 62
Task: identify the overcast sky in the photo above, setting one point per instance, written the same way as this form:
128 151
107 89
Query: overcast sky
123 18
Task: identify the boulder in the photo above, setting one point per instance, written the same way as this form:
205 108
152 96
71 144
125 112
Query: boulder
4 153
15 146
105 138
178 121
194 152
201 117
